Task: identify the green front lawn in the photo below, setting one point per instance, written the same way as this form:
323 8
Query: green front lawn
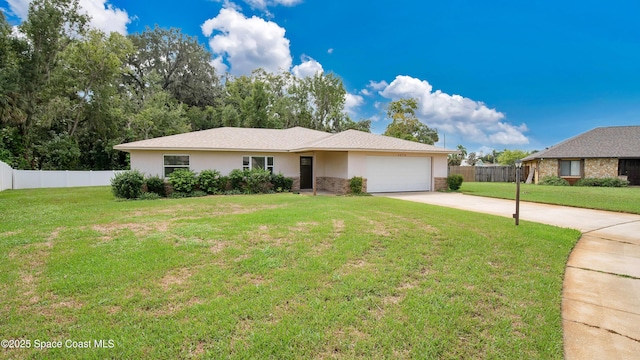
275 276
611 199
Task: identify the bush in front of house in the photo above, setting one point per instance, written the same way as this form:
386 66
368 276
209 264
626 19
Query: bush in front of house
257 181
211 182
355 184
127 184
149 196
183 180
554 181
281 183
236 179
156 185
602 182
454 181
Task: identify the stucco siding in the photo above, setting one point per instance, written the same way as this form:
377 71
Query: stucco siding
335 164
601 168
152 162
439 165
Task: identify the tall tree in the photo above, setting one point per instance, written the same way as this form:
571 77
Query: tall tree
405 124
183 66
51 26
509 157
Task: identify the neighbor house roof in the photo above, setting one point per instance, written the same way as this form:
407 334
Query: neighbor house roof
297 139
602 142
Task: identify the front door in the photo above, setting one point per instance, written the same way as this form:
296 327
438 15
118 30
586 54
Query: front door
631 168
306 172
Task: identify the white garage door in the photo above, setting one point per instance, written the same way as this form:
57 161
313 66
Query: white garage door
394 173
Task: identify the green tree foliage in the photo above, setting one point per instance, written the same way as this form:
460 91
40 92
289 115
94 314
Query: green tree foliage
509 157
456 159
69 93
405 125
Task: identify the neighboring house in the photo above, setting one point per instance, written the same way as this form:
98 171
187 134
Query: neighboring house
314 159
602 152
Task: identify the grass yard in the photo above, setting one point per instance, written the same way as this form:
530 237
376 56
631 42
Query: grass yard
279 276
611 199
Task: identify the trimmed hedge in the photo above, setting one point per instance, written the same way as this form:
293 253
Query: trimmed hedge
156 185
454 181
602 182
183 180
127 184
554 181
355 184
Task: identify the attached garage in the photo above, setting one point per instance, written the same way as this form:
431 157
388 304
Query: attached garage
393 173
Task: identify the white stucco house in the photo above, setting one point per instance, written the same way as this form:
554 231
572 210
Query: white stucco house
314 159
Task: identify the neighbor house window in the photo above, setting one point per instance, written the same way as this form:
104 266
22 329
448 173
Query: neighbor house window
257 162
174 162
569 167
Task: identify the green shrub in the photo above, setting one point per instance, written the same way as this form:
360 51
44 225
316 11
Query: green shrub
355 184
236 178
454 181
603 182
554 181
257 181
127 184
281 183
233 192
149 196
211 182
183 180
156 185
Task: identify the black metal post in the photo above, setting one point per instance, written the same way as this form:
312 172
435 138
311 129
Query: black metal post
517 214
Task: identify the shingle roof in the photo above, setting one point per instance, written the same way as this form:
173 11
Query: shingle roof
602 142
359 140
295 139
232 139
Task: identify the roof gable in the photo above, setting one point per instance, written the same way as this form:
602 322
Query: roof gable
602 142
360 140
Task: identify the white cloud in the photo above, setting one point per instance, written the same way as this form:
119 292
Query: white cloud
330 51
247 43
365 92
308 67
454 113
219 65
352 102
263 4
377 85
104 16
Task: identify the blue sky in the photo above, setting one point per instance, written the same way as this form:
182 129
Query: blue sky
488 75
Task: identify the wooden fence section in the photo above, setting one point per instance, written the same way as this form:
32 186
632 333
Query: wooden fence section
485 173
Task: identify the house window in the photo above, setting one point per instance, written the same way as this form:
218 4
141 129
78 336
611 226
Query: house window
257 162
569 167
174 162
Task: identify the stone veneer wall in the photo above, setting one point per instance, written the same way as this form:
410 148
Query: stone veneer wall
336 185
440 184
601 168
547 167
296 184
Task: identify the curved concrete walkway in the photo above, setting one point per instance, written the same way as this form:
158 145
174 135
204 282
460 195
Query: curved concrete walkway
601 290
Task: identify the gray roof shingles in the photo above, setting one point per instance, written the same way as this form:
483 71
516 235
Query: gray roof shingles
602 142
295 139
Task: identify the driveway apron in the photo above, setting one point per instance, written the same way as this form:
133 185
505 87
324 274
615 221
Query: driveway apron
601 289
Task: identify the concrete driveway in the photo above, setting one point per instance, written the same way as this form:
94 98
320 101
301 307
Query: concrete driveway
601 290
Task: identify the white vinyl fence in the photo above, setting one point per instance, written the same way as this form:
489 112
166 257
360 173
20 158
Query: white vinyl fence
6 177
33 179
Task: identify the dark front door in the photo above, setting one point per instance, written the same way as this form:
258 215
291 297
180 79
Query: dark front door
306 172
631 168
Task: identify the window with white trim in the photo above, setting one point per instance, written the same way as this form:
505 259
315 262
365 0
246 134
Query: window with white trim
174 162
569 167
257 162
